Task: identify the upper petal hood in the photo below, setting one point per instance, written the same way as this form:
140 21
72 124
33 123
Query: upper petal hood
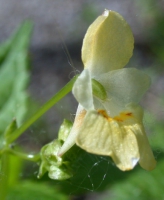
108 44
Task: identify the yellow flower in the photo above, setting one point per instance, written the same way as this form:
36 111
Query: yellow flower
109 119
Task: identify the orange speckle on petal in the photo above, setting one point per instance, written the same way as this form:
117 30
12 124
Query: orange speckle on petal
129 114
120 118
79 118
123 116
105 115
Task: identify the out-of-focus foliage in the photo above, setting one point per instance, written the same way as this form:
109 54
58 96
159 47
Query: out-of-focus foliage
141 185
14 76
34 191
14 106
153 10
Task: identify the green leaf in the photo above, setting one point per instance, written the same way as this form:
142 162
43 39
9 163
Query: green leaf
4 49
14 77
6 45
34 191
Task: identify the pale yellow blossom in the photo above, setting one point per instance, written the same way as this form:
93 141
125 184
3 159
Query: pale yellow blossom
109 119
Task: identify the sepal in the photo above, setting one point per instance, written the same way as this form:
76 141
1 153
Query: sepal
56 166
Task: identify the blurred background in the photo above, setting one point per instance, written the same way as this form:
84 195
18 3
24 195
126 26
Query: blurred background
55 54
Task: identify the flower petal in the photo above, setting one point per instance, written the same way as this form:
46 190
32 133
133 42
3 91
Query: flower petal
103 136
123 86
108 43
147 160
82 90
125 147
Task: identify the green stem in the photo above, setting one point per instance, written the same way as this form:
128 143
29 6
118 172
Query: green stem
30 157
4 176
64 91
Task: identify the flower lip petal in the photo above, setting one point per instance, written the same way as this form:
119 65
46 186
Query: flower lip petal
102 135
